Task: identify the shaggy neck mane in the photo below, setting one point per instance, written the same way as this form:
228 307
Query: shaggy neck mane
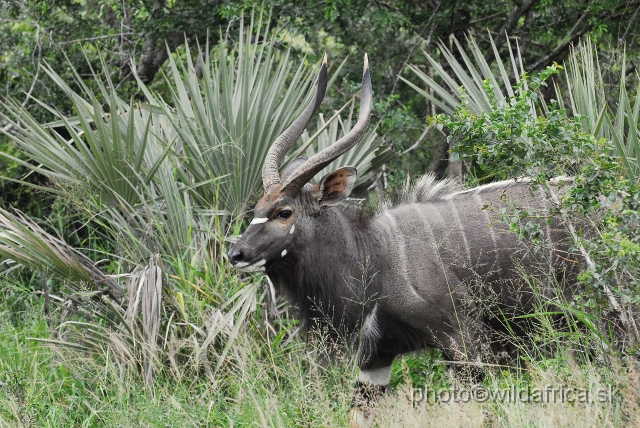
322 278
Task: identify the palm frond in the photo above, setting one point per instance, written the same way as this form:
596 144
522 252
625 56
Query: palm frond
367 156
474 75
585 95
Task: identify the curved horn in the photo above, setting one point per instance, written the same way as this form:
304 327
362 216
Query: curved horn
284 142
306 171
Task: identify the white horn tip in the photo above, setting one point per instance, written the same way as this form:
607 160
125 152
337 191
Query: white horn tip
324 60
366 62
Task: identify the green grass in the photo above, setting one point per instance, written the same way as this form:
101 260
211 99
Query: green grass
261 384
267 382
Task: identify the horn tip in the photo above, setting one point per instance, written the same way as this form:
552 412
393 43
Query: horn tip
324 60
366 62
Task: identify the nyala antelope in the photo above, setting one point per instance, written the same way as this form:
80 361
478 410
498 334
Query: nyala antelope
431 258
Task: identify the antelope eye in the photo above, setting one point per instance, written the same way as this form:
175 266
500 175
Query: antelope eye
284 214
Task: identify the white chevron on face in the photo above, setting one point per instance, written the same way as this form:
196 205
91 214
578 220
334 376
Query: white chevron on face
259 220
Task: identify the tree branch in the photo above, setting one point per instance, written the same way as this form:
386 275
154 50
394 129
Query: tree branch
39 60
404 64
152 56
559 52
511 22
418 142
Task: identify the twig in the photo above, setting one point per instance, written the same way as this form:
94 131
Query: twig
476 364
418 142
35 77
404 64
493 15
566 259
47 298
559 50
90 39
511 22
631 21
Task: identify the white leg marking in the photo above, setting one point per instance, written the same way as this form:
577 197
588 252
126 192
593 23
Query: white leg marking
284 253
259 220
359 419
293 229
380 376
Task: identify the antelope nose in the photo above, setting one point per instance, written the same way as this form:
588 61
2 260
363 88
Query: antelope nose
235 256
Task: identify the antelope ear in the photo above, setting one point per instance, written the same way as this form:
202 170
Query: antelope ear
335 186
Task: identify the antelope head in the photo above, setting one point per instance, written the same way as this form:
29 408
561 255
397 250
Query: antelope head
290 202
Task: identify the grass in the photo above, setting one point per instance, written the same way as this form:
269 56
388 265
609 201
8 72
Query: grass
550 379
263 384
269 381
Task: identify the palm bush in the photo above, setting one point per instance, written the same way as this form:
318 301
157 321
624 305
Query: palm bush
164 181
585 93
601 113
368 156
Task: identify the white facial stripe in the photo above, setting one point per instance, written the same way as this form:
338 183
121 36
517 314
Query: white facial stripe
379 376
256 267
259 220
284 253
293 229
242 264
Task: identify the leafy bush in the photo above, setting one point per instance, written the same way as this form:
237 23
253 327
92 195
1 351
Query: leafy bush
522 135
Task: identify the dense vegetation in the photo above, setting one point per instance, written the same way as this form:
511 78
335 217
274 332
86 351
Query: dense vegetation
133 137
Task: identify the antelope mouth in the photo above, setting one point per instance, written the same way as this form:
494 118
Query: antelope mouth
257 266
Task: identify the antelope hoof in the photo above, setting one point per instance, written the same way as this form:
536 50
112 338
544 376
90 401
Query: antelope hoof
361 418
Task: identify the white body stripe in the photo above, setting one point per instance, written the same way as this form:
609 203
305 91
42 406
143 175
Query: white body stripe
259 220
462 232
402 252
425 219
283 253
492 232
